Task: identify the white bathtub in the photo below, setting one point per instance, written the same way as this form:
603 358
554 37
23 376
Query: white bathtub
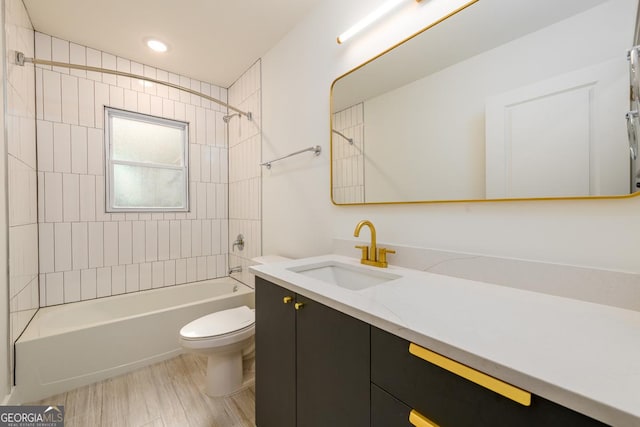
71 345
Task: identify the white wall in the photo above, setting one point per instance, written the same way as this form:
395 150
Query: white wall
299 218
86 253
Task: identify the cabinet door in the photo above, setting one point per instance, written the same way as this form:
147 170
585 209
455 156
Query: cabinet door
275 356
333 381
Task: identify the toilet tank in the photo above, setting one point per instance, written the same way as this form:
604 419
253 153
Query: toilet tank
268 259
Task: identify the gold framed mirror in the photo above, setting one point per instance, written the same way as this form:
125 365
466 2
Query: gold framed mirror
501 100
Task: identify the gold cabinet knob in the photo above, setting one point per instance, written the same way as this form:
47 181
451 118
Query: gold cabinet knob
287 300
298 305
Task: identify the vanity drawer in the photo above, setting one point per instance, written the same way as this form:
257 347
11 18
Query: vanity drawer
386 410
450 400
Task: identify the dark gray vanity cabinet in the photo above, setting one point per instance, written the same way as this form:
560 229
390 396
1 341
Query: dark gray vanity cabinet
386 410
318 367
447 399
312 363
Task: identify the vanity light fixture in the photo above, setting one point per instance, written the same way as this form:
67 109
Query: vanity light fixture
156 45
370 19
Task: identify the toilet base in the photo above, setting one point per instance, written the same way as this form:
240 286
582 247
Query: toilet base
224 374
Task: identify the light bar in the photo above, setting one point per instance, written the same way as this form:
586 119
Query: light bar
369 19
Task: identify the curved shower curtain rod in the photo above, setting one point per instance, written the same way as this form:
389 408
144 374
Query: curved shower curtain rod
21 59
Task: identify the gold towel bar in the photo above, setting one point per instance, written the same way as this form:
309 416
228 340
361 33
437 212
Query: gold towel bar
507 390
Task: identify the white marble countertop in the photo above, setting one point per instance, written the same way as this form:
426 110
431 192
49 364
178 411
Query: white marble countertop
582 355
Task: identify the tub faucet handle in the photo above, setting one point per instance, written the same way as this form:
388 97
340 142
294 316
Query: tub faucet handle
239 242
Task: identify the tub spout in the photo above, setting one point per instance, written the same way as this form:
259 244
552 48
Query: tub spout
237 269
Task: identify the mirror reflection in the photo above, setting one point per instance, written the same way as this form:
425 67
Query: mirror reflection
505 99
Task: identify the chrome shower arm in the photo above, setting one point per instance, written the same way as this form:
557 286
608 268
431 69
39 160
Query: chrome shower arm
343 135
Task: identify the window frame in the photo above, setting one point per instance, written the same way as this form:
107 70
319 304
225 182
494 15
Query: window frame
109 162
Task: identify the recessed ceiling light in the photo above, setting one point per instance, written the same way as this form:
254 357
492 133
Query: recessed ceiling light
156 45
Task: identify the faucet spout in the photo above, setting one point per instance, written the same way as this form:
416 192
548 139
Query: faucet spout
373 251
372 255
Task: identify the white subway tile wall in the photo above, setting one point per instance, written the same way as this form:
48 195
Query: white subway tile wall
348 159
87 253
22 175
245 206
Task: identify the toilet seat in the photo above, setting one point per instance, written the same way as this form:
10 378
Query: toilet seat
219 329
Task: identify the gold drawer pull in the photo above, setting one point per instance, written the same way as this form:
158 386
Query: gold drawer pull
507 390
419 420
298 305
287 300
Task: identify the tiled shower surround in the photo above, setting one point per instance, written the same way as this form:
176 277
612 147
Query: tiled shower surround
21 161
348 159
245 173
86 253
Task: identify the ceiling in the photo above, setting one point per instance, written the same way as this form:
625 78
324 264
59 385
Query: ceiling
211 40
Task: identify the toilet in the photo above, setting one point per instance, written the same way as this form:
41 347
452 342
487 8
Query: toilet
226 337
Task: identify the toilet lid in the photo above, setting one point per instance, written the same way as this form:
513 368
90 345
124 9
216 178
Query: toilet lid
219 323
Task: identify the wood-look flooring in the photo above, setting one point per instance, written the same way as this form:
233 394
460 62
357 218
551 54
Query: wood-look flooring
167 394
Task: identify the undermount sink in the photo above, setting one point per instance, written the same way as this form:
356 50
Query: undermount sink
346 276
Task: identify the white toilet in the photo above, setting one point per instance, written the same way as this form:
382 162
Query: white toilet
225 337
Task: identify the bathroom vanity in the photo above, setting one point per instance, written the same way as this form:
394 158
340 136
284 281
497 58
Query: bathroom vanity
342 344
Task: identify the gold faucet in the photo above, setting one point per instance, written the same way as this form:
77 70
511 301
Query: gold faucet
371 255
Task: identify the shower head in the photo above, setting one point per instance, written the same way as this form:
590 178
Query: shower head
229 116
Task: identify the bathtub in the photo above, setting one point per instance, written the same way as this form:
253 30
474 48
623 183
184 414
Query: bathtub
71 345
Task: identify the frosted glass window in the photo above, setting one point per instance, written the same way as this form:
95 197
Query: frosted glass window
146 163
